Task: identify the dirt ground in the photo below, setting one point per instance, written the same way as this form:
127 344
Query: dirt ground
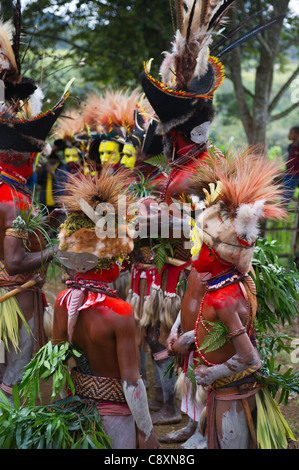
291 411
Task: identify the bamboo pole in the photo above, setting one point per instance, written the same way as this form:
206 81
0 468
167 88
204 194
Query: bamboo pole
16 291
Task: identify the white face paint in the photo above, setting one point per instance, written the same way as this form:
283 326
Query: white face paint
200 133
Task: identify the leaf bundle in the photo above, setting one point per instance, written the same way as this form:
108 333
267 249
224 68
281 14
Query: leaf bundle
272 429
49 362
71 423
10 312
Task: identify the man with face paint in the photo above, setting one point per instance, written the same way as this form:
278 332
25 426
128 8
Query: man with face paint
129 155
73 159
182 102
190 75
109 152
23 257
112 116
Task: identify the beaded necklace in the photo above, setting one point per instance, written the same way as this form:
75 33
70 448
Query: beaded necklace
12 176
212 285
92 285
180 162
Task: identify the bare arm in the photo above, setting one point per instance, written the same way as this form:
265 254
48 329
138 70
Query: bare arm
245 354
18 260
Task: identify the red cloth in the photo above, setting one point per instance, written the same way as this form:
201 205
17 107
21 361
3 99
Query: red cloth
112 409
104 275
6 196
118 306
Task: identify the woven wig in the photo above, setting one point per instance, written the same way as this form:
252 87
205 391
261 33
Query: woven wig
78 235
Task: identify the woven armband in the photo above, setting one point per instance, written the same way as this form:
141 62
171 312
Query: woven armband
235 333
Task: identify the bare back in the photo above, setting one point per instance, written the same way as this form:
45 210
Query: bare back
108 338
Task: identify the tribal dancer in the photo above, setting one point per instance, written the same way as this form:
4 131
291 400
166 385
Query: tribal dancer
241 191
183 104
143 144
111 116
191 73
93 317
23 252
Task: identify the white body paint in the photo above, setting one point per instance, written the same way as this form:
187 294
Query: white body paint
137 401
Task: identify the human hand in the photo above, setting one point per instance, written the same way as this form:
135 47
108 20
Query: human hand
182 345
172 338
151 443
201 374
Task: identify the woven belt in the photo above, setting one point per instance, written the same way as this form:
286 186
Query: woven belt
225 381
98 388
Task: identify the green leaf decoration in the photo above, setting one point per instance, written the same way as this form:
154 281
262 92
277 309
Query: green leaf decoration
161 252
33 220
272 430
160 161
71 423
143 186
10 314
49 362
216 338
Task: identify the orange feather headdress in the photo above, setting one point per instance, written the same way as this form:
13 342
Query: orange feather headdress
245 177
240 191
69 125
112 111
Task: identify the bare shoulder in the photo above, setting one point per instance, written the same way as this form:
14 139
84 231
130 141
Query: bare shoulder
119 307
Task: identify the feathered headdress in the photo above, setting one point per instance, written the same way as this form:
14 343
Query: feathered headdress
23 128
111 112
81 244
188 73
240 191
191 72
68 125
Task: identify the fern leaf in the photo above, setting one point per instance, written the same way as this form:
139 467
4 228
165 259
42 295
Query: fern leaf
215 338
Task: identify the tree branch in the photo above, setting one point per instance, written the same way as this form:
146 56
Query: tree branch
285 112
58 38
283 90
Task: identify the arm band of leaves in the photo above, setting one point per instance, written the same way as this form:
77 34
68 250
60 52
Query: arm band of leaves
235 333
11 232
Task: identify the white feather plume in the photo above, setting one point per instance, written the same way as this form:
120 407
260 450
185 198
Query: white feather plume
247 220
7 57
192 38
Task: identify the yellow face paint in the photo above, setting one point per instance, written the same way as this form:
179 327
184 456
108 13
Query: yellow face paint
129 156
109 152
195 239
71 155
